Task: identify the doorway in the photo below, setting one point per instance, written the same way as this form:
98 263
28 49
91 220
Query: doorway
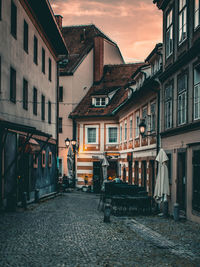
97 176
130 172
151 176
136 173
181 180
144 174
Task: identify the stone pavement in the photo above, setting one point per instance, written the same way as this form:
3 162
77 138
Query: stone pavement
69 231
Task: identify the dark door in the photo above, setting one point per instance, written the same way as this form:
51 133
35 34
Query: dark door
136 173
144 174
130 172
181 180
97 176
196 180
151 176
124 174
112 169
23 176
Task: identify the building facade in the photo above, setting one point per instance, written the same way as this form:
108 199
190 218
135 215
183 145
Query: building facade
108 119
89 51
28 97
180 105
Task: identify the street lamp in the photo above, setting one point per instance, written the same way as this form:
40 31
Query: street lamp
74 146
142 127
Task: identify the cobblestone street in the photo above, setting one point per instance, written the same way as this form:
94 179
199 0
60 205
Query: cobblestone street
69 231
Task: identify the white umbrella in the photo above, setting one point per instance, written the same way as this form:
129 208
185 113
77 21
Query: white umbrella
162 181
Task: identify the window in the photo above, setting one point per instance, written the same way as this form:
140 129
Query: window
125 131
196 14
25 36
153 117
35 161
112 134
91 135
60 125
182 99
34 101
43 108
25 94
168 107
100 101
196 180
169 34
182 21
131 128
61 94
137 122
50 69
12 85
13 20
35 50
50 159
196 93
145 117
49 112
43 158
43 60
120 133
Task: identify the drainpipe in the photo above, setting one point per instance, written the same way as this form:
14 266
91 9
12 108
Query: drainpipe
74 153
57 118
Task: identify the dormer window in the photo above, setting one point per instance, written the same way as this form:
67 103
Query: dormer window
99 101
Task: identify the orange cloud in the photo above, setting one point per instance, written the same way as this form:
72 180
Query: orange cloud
135 25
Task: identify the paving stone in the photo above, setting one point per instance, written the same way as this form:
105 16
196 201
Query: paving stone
69 231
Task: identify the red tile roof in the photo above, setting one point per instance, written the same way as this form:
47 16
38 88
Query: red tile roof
80 40
115 77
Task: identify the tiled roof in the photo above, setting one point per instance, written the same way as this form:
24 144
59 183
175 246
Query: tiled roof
80 40
115 77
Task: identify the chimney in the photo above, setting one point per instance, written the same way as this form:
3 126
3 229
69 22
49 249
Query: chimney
98 58
59 20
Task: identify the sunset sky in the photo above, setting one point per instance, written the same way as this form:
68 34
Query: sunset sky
135 25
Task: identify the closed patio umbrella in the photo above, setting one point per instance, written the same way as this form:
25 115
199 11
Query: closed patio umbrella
162 181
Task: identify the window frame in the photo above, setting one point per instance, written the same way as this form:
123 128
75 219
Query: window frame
35 161
102 101
120 133
43 60
169 28
50 69
13 84
125 131
196 103
13 20
137 122
35 50
35 102
25 94
49 112
50 159
108 127
168 100
60 98
96 127
182 11
153 117
26 35
43 107
0 10
180 94
131 128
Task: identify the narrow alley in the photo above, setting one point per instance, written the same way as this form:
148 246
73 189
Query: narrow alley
69 231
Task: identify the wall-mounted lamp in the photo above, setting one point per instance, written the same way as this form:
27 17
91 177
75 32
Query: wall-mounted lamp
142 127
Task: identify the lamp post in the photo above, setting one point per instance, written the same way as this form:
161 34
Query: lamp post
74 148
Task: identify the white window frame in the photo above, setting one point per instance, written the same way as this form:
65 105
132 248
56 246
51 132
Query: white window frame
101 103
107 133
168 108
145 118
43 159
97 134
120 133
182 21
196 14
131 128
137 122
169 34
182 103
